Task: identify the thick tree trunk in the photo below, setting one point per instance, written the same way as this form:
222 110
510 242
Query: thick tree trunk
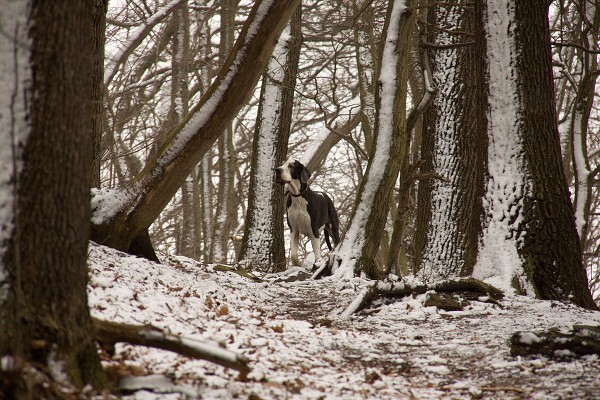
263 244
530 243
551 248
185 146
454 145
44 316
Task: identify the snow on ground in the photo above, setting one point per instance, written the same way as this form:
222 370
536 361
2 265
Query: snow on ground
300 347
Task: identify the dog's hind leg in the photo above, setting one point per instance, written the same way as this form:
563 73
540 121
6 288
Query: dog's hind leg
294 248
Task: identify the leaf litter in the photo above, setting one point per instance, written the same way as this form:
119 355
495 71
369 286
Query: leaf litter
300 347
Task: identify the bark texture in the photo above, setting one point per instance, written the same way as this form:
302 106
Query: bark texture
454 146
45 318
98 113
551 248
359 248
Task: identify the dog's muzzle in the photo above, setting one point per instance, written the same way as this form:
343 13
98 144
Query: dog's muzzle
278 177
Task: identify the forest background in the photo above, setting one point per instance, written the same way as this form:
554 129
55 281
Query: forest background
457 139
161 58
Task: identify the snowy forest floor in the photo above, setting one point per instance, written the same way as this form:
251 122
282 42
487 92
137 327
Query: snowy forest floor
300 348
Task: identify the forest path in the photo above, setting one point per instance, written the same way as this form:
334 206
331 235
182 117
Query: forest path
301 348
437 354
317 302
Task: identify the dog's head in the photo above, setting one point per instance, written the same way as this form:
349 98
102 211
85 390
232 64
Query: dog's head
292 170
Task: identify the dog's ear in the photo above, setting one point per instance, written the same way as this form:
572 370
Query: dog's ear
305 175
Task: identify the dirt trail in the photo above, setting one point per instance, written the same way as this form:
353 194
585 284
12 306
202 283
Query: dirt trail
452 355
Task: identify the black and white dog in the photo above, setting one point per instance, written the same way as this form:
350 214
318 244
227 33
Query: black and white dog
308 213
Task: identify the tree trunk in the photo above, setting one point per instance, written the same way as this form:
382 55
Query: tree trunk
44 316
453 147
580 120
530 243
148 194
359 248
226 209
366 51
98 113
551 248
263 244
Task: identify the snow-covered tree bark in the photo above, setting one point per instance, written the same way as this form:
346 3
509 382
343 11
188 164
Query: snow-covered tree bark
530 243
263 247
121 216
453 147
580 118
356 254
46 130
499 260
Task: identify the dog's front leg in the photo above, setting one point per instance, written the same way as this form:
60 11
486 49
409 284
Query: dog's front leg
316 245
294 248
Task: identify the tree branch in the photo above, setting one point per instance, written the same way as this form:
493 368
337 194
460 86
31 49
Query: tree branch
109 333
402 289
445 46
576 45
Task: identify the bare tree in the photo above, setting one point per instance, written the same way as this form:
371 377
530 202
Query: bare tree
263 246
530 241
44 316
359 247
140 203
454 145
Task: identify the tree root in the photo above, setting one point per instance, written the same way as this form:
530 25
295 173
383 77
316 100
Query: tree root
579 341
402 289
108 333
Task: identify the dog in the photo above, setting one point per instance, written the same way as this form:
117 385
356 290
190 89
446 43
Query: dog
308 213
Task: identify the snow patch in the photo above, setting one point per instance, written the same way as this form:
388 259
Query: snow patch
107 202
528 338
300 348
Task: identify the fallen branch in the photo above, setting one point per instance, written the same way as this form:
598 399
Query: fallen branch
109 333
579 341
241 271
359 302
403 289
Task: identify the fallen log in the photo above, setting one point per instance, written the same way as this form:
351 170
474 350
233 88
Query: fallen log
108 333
579 341
390 288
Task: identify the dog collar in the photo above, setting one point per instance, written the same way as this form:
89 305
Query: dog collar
296 195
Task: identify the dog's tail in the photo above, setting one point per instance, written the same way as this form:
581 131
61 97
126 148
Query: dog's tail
334 224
